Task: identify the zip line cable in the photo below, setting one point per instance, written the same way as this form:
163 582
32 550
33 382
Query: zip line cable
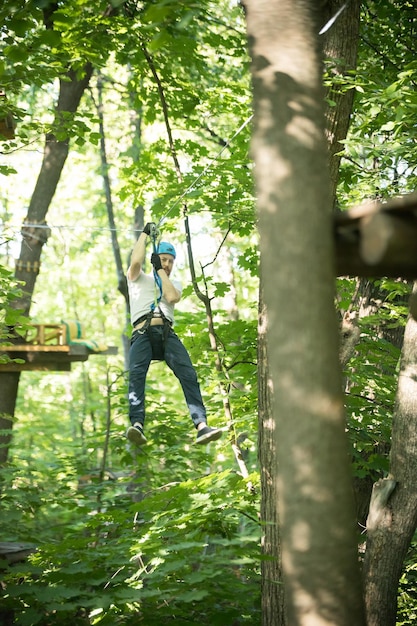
163 218
66 227
324 29
333 19
213 160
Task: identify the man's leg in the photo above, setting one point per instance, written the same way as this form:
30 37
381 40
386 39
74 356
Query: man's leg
140 356
178 360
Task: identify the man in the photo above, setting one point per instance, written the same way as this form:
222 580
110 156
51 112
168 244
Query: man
152 302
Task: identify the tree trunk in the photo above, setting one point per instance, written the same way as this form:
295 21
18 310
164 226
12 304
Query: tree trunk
316 508
340 45
35 234
340 52
272 589
105 167
392 518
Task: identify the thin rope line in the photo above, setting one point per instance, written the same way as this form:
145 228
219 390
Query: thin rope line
195 181
66 227
108 229
122 230
325 28
333 19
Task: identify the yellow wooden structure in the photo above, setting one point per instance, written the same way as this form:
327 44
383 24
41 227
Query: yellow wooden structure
51 347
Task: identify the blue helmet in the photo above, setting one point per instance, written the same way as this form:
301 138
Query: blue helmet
166 248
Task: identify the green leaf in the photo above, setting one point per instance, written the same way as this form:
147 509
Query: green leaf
389 126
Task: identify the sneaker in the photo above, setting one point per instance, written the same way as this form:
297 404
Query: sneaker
207 434
135 434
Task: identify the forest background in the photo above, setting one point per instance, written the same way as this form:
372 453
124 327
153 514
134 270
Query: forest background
120 534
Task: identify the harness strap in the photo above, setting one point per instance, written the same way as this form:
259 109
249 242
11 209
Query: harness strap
148 317
167 328
158 354
158 283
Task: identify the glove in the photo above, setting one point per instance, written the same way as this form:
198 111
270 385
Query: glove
149 226
156 261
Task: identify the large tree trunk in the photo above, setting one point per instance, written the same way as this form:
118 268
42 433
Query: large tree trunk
316 509
392 518
55 155
273 597
340 44
35 234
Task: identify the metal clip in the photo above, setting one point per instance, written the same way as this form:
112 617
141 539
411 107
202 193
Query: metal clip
154 231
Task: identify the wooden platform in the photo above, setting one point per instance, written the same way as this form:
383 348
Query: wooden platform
45 349
378 239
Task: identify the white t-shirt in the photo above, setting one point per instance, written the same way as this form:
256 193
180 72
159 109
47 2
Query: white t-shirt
142 297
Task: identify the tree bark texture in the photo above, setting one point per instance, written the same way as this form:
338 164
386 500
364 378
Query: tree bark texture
55 154
35 234
392 518
105 168
272 588
316 508
340 45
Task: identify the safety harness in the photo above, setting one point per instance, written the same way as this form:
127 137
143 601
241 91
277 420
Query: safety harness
148 317
155 310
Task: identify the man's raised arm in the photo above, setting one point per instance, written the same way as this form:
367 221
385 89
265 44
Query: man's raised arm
138 253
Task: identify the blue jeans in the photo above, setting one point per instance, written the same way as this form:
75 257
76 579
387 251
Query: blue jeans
150 346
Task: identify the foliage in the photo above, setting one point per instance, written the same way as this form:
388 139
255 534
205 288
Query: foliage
379 156
371 374
407 593
171 533
11 320
116 550
379 163
370 403
380 149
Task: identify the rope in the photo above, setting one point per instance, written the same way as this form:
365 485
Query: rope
154 234
333 19
213 160
16 228
163 218
324 29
